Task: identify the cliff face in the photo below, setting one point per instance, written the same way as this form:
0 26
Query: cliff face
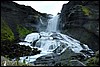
80 20
16 22
19 20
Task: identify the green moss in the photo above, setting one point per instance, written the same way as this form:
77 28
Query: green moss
91 61
23 31
86 10
6 32
94 61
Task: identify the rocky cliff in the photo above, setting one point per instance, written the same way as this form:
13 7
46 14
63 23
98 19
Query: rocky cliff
80 20
16 22
19 20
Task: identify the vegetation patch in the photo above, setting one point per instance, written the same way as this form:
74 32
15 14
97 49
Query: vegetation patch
6 32
23 31
86 10
6 62
94 61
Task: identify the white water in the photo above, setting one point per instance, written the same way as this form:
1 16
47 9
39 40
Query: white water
32 37
50 40
41 21
52 24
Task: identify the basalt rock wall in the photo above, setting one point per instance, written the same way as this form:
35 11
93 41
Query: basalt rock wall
80 20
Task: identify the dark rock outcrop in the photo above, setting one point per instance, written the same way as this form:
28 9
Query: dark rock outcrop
63 59
14 50
80 20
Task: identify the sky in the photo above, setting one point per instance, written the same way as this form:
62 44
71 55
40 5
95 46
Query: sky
49 7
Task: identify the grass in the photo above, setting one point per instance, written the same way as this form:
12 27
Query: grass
16 63
22 31
12 63
6 32
86 10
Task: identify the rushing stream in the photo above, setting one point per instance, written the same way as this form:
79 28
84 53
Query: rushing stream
50 40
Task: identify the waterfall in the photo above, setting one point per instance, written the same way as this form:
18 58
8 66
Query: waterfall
52 24
51 41
41 21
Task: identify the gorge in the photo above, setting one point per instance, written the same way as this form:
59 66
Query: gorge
68 39
53 42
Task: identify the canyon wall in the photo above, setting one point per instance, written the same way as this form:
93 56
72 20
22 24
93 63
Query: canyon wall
80 20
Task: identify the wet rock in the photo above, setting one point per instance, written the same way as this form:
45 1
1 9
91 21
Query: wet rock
54 59
46 59
76 63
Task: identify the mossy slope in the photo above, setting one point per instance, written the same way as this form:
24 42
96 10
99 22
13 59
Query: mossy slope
6 32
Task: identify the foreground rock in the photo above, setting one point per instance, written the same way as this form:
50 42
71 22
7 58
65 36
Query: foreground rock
13 50
6 62
67 58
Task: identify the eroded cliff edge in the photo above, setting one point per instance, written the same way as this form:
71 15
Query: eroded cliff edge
80 20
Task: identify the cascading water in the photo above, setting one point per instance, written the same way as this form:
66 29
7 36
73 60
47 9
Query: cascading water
52 24
41 21
50 41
